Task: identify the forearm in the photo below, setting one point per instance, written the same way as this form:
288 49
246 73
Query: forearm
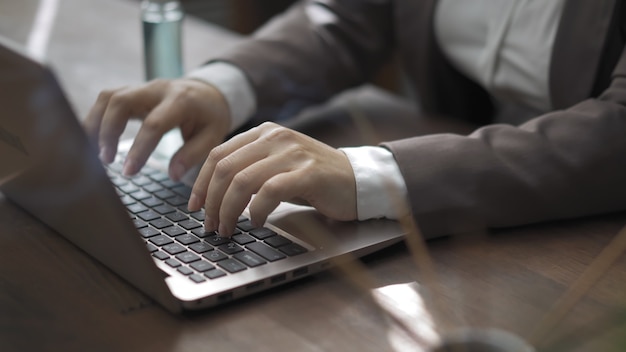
564 164
312 51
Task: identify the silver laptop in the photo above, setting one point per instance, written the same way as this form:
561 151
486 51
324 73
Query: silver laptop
139 227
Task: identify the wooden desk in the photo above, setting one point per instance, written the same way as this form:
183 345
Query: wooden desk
53 297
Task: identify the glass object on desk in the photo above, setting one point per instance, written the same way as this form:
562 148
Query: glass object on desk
162 39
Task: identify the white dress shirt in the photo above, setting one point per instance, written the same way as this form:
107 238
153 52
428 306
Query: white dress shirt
504 45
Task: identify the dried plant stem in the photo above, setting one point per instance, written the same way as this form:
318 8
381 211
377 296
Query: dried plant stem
357 274
582 285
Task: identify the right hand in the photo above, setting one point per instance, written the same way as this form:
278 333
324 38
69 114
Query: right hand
197 108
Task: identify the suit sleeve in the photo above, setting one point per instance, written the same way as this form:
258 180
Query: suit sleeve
312 51
564 164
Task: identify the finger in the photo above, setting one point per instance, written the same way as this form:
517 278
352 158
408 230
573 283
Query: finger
281 187
224 173
94 117
124 104
200 187
244 184
164 117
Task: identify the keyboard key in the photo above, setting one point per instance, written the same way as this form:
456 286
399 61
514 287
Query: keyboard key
250 259
183 208
187 257
231 265
176 200
164 209
189 224
292 249
153 187
217 240
174 231
243 238
136 208
116 166
177 216
159 176
141 180
262 233
277 241
119 181
127 200
164 194
160 255
171 183
148 215
173 248
202 234
152 202
182 190
173 263
197 278
185 270
214 256
148 232
161 223
187 239
139 224
147 170
129 188
265 251
151 248
141 195
201 266
214 274
201 247
230 248
161 240
198 215
242 218
245 225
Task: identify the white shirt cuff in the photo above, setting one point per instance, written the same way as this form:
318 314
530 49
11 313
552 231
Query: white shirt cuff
233 85
380 189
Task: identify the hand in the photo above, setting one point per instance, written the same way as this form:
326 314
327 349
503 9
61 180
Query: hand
277 164
197 108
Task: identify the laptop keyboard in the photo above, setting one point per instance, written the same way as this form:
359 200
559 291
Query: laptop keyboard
176 236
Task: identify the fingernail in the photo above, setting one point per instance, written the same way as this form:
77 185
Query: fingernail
177 171
129 167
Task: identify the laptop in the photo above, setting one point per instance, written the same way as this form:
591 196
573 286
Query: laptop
139 227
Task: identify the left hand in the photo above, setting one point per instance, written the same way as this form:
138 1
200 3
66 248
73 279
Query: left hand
277 164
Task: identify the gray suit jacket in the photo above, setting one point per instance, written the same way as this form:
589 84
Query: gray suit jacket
568 163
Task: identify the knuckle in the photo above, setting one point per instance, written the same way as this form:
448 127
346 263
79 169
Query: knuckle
278 133
118 98
271 189
216 154
297 151
106 94
153 125
223 168
242 180
268 125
